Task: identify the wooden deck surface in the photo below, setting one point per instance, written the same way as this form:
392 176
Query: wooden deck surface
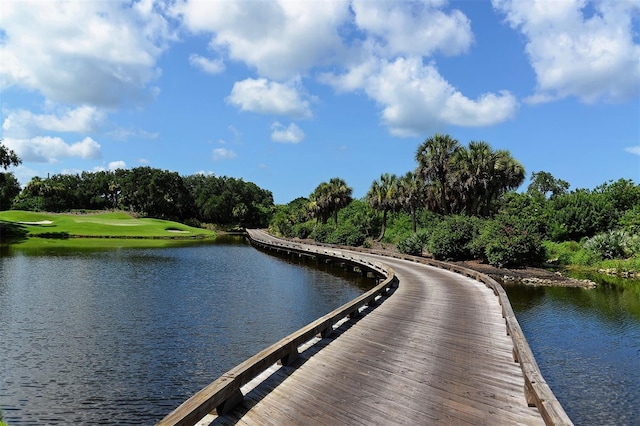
434 352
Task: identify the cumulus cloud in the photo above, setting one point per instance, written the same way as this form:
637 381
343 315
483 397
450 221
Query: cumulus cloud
24 124
268 97
413 28
223 154
210 66
280 39
289 134
586 49
354 46
107 60
115 165
416 99
46 149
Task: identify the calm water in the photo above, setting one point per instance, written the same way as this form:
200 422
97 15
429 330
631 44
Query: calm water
587 344
125 336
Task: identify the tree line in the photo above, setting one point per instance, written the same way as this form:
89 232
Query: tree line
460 203
144 191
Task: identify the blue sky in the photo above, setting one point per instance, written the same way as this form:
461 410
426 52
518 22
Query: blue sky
288 94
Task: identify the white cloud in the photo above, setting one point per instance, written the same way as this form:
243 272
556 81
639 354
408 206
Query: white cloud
289 134
210 66
25 124
50 149
115 165
268 97
413 28
416 99
579 48
633 150
223 154
100 53
280 39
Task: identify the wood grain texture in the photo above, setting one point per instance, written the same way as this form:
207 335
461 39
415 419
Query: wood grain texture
436 351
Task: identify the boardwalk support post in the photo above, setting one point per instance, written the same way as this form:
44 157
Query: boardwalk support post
289 358
230 403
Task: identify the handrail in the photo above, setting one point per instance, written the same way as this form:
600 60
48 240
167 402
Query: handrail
224 393
537 391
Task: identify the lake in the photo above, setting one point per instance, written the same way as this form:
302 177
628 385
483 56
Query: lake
123 336
126 335
587 344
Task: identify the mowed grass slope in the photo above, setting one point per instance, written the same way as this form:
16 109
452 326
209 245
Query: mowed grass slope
106 225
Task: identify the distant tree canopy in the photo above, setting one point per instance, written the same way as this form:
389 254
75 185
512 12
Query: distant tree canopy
154 193
461 203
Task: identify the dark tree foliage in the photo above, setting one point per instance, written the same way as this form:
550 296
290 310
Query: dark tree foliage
226 200
579 214
9 189
465 180
154 193
8 157
544 184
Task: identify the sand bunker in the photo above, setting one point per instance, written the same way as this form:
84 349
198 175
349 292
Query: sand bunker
177 231
41 222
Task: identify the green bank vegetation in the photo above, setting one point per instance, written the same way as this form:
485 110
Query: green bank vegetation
460 203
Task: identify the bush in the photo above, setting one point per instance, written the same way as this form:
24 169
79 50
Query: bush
302 230
321 232
611 245
451 238
346 235
414 244
510 241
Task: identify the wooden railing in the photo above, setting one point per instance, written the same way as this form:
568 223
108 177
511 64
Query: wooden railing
537 391
224 393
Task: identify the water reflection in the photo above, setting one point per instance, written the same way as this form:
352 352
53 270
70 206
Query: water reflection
587 343
123 336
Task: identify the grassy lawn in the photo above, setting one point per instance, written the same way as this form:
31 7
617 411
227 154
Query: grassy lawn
98 225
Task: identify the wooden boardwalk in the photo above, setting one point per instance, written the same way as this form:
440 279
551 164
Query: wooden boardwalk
436 351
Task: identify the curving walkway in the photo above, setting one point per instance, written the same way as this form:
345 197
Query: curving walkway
435 352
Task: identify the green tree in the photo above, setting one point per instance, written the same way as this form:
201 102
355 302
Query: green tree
383 196
410 196
8 157
544 184
328 198
434 157
9 189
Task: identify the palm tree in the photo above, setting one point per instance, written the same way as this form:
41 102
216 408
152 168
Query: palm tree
474 170
340 196
434 157
328 198
410 195
383 197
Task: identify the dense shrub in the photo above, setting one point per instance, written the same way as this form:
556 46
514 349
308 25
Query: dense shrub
612 244
451 238
510 241
414 244
302 230
321 232
346 235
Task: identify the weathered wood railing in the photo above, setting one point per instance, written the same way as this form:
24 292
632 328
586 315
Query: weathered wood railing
537 391
224 393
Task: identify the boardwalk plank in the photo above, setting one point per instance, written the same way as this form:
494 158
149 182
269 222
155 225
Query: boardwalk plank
435 352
